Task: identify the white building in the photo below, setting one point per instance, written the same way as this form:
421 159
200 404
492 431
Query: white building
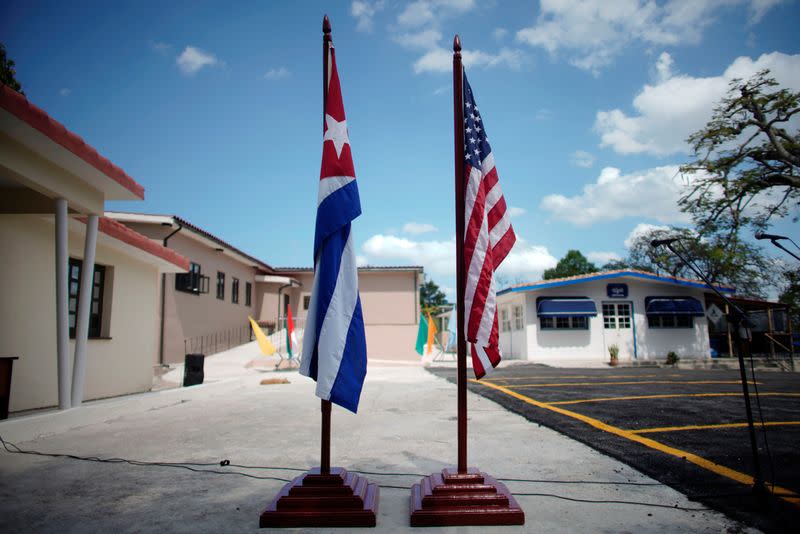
577 319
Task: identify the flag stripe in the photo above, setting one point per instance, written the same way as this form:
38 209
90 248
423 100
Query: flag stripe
488 238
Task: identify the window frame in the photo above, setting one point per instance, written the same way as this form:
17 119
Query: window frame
658 322
75 268
565 322
234 290
248 294
220 285
518 315
505 321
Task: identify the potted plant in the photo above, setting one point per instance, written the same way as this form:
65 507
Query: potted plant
672 358
613 352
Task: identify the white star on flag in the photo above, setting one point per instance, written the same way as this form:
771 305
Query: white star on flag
336 132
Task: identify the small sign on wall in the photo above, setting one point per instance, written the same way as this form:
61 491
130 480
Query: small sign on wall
617 291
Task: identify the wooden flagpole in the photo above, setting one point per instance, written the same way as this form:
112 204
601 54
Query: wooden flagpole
461 496
325 405
324 496
458 130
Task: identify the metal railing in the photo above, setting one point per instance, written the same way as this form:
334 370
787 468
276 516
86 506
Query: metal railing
214 342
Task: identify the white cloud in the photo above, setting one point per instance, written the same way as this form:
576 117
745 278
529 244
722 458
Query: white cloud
161 48
759 8
640 230
514 211
416 14
64 91
364 12
669 111
277 74
193 59
651 193
527 262
441 90
423 39
591 33
543 114
499 33
438 257
361 261
664 67
581 158
441 60
418 228
600 258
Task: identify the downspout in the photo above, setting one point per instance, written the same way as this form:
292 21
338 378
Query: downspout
164 298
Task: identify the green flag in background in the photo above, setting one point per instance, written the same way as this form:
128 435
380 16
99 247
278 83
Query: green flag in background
422 335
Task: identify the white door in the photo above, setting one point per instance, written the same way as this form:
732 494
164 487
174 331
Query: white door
617 328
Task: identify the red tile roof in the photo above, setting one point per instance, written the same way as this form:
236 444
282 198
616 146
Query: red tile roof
121 232
37 118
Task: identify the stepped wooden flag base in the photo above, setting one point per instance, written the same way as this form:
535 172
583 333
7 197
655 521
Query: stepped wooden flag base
451 498
338 499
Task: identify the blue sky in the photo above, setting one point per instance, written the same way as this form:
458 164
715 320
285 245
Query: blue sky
216 108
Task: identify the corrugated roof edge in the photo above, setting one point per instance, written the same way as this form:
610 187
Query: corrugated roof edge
37 118
556 282
186 224
120 232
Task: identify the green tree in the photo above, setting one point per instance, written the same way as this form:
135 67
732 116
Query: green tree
7 71
720 259
430 296
746 167
572 264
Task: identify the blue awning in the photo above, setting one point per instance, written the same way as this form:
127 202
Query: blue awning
673 306
565 307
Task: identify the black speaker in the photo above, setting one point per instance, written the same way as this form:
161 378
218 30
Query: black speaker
193 369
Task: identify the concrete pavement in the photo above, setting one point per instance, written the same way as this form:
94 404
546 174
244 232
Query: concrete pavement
406 423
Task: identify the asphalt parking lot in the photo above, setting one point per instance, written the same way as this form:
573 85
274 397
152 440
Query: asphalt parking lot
685 428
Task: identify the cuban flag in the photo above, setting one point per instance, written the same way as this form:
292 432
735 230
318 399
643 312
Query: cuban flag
488 238
334 345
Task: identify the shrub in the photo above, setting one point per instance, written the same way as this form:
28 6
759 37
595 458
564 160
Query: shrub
672 358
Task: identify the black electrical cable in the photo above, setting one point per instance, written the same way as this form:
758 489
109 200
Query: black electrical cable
14 449
763 425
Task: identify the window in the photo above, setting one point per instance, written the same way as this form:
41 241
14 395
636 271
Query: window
193 281
519 321
220 285
306 302
96 306
248 294
616 315
235 290
670 321
564 323
505 323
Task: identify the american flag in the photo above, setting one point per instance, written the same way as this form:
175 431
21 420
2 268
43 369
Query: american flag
487 241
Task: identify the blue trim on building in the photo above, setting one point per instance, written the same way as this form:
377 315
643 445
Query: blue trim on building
606 276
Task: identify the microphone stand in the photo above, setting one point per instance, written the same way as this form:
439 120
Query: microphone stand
775 242
737 317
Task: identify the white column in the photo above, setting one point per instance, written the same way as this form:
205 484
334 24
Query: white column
84 307
62 298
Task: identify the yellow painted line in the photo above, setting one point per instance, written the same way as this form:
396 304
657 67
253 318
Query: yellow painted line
699 461
498 379
709 427
627 382
668 396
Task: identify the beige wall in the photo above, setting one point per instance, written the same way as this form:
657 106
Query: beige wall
389 304
202 323
115 366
